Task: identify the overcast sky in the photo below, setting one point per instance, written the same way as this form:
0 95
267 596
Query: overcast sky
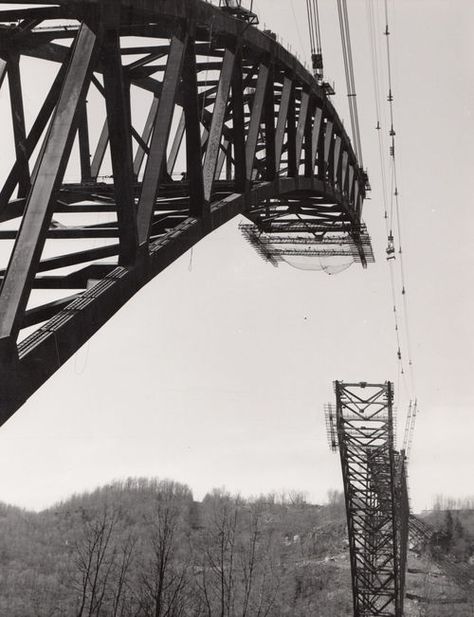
216 373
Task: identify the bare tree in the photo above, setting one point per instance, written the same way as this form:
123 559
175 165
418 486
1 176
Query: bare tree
235 576
101 564
163 576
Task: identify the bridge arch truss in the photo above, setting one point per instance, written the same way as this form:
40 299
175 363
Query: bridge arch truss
92 206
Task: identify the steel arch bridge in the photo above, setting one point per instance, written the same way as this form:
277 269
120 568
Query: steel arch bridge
252 129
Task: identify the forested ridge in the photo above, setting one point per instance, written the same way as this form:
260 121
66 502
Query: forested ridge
145 548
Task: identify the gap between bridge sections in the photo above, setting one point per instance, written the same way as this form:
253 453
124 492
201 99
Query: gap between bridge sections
41 354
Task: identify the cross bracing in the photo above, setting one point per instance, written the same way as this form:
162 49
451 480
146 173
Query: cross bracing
101 195
375 494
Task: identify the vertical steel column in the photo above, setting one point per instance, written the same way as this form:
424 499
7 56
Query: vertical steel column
18 118
217 123
281 122
119 130
159 141
147 132
316 137
255 119
336 162
269 120
291 134
177 141
327 148
193 131
100 150
238 126
301 128
308 140
35 133
84 147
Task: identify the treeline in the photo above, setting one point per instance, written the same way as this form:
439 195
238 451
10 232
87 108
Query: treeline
454 534
145 548
443 503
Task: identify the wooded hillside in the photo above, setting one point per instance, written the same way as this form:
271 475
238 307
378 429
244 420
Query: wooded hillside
145 548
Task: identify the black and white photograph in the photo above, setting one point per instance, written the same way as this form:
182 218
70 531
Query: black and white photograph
236 332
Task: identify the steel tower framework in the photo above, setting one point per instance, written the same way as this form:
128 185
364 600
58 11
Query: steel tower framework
375 494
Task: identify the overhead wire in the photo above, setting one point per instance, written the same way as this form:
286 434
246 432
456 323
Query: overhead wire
319 42
314 27
377 97
392 216
396 197
388 202
311 28
297 27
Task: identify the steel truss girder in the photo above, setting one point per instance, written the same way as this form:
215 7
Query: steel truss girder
229 107
376 497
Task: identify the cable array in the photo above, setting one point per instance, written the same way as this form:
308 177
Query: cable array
314 26
350 79
392 213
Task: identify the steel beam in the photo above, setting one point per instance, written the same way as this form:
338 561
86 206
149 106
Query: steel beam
301 128
191 109
255 119
18 117
146 135
33 137
269 119
29 245
157 157
327 146
281 122
217 124
291 135
238 126
177 141
120 139
84 146
100 151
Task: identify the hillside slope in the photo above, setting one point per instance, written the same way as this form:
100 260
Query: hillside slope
144 548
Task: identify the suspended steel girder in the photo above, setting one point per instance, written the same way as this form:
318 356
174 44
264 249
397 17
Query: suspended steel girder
103 193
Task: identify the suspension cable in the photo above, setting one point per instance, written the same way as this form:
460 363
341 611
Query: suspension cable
396 196
319 44
392 216
350 79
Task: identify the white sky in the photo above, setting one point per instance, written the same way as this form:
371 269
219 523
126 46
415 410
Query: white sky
217 374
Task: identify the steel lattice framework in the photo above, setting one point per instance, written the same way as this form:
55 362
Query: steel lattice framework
376 496
90 213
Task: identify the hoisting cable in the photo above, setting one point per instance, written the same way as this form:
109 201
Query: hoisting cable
350 80
314 26
377 97
297 27
393 215
388 208
393 157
